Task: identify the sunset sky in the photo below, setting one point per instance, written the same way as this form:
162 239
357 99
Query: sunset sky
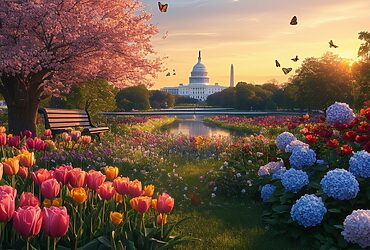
252 34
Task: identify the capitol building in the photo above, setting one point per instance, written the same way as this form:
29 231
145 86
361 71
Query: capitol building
199 87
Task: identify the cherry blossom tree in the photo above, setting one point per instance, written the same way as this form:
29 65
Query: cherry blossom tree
48 45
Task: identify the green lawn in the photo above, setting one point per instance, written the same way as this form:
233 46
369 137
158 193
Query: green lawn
221 223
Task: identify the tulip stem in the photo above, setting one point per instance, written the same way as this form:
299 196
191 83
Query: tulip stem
162 228
143 224
48 243
54 243
28 243
13 181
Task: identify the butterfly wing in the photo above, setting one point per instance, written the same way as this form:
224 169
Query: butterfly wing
174 74
168 74
286 70
295 59
162 7
277 63
294 21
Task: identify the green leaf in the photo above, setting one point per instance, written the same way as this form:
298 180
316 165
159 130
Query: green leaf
334 210
104 240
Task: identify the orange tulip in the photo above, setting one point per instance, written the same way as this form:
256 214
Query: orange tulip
118 198
116 218
141 204
2 129
27 159
135 188
106 190
111 172
154 204
162 218
148 190
57 202
79 195
121 185
11 166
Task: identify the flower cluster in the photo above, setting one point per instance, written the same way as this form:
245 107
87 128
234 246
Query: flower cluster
266 191
294 180
357 228
308 211
302 157
359 164
296 144
284 139
271 168
340 184
339 113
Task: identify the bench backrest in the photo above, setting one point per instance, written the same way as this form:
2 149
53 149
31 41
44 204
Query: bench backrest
64 118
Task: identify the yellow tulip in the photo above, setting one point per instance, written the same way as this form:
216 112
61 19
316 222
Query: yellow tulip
79 195
111 172
116 218
27 159
148 190
11 166
57 202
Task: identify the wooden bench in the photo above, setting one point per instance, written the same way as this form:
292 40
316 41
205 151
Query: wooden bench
64 120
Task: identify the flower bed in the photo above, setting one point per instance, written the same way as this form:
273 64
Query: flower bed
48 203
320 193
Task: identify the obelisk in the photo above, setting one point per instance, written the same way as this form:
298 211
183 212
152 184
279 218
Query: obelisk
232 76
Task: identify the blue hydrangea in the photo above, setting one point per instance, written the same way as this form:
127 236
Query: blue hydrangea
278 174
359 164
302 157
357 228
294 180
284 139
266 191
340 184
294 145
308 211
339 113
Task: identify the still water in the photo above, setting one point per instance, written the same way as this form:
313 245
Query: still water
194 126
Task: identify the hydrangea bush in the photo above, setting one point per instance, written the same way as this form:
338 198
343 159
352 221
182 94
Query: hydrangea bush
325 181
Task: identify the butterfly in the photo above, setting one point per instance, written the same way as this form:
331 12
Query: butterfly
294 21
295 59
168 74
277 63
286 70
174 73
165 35
162 7
331 44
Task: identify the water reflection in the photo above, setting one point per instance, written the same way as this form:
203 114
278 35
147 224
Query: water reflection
194 126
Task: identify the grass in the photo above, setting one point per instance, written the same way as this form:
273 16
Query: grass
221 223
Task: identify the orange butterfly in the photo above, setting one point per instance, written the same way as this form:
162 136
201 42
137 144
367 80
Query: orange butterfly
162 7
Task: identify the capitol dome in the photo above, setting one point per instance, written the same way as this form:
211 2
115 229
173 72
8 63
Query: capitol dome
199 73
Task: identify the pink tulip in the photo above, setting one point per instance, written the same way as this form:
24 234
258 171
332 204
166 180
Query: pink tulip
121 185
9 190
77 178
86 139
165 203
135 188
47 133
40 176
26 133
66 136
7 206
60 173
23 172
75 135
94 179
55 216
106 190
2 139
28 199
14 141
36 143
50 188
27 221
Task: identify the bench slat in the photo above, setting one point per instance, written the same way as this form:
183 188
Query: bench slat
67 119
67 115
65 111
69 124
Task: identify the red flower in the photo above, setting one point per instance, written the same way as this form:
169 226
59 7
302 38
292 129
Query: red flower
367 147
344 150
311 138
332 143
350 135
362 139
364 127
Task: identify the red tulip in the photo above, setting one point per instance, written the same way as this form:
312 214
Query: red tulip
94 179
47 133
60 173
350 135
55 216
28 199
40 176
135 188
121 185
27 221
106 190
311 138
26 133
50 188
367 147
14 141
7 206
362 139
165 203
344 150
77 178
334 143
2 139
23 172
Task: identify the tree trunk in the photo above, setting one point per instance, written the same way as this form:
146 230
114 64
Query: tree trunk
22 118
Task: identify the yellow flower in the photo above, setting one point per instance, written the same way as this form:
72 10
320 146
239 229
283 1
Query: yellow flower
11 166
111 172
2 129
116 218
57 202
148 190
79 195
51 144
27 159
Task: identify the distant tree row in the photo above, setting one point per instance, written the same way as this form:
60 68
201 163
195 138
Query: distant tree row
317 83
